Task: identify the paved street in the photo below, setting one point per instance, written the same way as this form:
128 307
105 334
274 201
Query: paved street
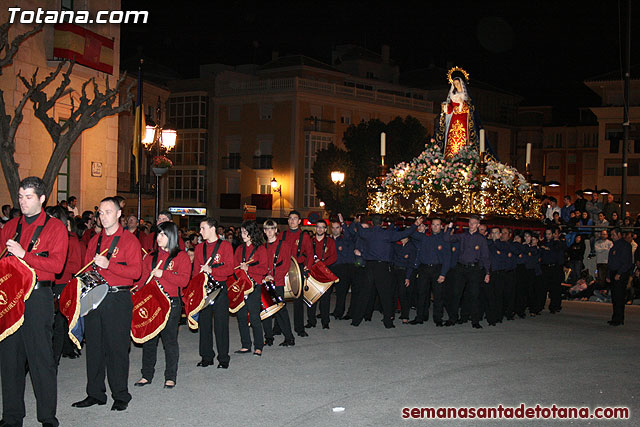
573 359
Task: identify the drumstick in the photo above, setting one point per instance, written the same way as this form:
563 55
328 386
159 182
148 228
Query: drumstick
4 251
246 262
145 252
206 263
88 265
152 272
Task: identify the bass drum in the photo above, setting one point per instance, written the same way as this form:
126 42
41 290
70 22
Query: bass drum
293 281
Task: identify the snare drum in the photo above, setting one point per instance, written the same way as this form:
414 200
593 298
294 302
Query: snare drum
213 288
270 301
94 289
319 281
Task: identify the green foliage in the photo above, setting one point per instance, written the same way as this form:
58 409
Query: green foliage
406 139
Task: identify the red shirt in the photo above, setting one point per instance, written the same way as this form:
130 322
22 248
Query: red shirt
257 271
75 256
283 263
87 236
125 265
175 276
224 255
306 253
151 244
330 255
53 239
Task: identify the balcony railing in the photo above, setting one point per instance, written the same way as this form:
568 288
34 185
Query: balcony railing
230 200
294 84
262 201
232 161
313 124
262 162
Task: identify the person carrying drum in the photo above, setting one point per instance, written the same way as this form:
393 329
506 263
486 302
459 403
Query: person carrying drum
278 262
303 252
41 242
108 348
172 275
324 250
214 257
251 256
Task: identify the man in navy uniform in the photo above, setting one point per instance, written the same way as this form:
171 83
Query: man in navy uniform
378 242
404 257
620 265
509 294
344 267
473 262
434 258
493 291
551 260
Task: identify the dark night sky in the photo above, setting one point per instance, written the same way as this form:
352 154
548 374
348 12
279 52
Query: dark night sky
539 49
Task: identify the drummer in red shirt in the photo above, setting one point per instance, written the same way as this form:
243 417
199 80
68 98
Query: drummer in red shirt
278 263
251 256
214 256
324 249
107 348
174 273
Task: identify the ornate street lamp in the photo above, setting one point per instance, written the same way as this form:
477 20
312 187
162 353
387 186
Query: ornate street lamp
277 188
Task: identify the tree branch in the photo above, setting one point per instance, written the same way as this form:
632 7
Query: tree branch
11 48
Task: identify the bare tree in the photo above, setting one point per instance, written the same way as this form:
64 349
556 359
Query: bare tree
88 113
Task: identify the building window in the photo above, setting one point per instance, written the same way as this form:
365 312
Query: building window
316 111
63 180
614 146
636 146
188 112
558 140
233 185
313 143
613 167
188 176
264 186
345 118
66 4
263 157
234 113
232 159
266 111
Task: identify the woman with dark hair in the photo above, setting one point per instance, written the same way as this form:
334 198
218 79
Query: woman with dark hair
173 274
251 256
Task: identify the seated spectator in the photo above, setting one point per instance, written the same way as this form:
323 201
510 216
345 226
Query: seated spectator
615 221
583 289
567 208
601 223
576 255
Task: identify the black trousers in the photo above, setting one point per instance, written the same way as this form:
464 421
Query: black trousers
298 311
509 295
531 283
618 296
469 280
169 336
61 341
282 319
325 306
522 292
402 292
449 292
359 282
549 283
219 313
379 281
106 332
492 293
30 346
427 283
346 274
251 312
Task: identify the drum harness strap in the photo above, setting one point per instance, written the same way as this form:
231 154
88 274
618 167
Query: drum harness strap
213 255
112 248
324 248
244 259
34 239
284 237
275 256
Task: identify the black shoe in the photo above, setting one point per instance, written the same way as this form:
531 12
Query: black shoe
258 354
449 323
287 343
309 325
336 316
325 326
355 324
615 323
347 317
119 405
476 326
73 355
521 315
415 322
492 323
552 311
268 341
204 363
439 324
142 384
277 332
367 320
169 385
88 401
242 351
223 365
509 317
303 334
318 316
389 326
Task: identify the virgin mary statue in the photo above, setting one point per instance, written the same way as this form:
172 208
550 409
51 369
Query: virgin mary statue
458 124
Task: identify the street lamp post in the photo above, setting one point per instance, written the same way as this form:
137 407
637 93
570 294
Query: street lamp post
338 178
277 188
161 140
